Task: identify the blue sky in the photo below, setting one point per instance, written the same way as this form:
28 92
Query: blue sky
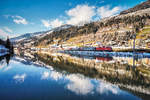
25 16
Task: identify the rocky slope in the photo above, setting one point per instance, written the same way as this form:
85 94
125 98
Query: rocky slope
141 6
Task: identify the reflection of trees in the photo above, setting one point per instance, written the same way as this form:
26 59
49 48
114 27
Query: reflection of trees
122 74
65 65
6 57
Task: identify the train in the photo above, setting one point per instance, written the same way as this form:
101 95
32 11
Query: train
103 48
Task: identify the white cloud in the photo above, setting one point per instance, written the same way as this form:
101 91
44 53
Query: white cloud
8 29
46 23
79 84
19 20
53 24
80 15
3 33
56 23
105 11
102 1
20 78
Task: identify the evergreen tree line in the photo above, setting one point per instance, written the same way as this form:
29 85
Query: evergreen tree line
7 44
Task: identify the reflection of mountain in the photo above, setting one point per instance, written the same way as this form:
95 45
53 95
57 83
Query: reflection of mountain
134 61
135 79
27 61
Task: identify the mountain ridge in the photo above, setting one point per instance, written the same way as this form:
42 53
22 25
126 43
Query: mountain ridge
113 31
143 5
34 34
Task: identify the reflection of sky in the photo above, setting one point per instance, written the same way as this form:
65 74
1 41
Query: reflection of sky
19 78
53 75
79 84
82 85
2 64
42 82
45 75
106 88
8 67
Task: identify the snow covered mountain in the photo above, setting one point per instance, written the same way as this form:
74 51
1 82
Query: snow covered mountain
27 35
38 34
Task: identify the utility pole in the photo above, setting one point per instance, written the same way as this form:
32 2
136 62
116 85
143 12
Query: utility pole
136 30
134 37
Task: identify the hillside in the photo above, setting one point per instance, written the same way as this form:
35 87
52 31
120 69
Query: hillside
141 6
114 31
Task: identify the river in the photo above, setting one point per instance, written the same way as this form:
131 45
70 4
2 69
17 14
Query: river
65 77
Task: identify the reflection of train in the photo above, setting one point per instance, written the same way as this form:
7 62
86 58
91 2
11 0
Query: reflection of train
104 58
100 58
91 49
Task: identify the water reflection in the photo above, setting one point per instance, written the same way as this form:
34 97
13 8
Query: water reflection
130 73
6 57
19 78
79 84
82 85
59 76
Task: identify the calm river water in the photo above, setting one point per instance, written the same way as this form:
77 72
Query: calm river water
58 77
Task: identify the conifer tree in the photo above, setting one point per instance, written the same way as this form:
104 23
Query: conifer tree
8 44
